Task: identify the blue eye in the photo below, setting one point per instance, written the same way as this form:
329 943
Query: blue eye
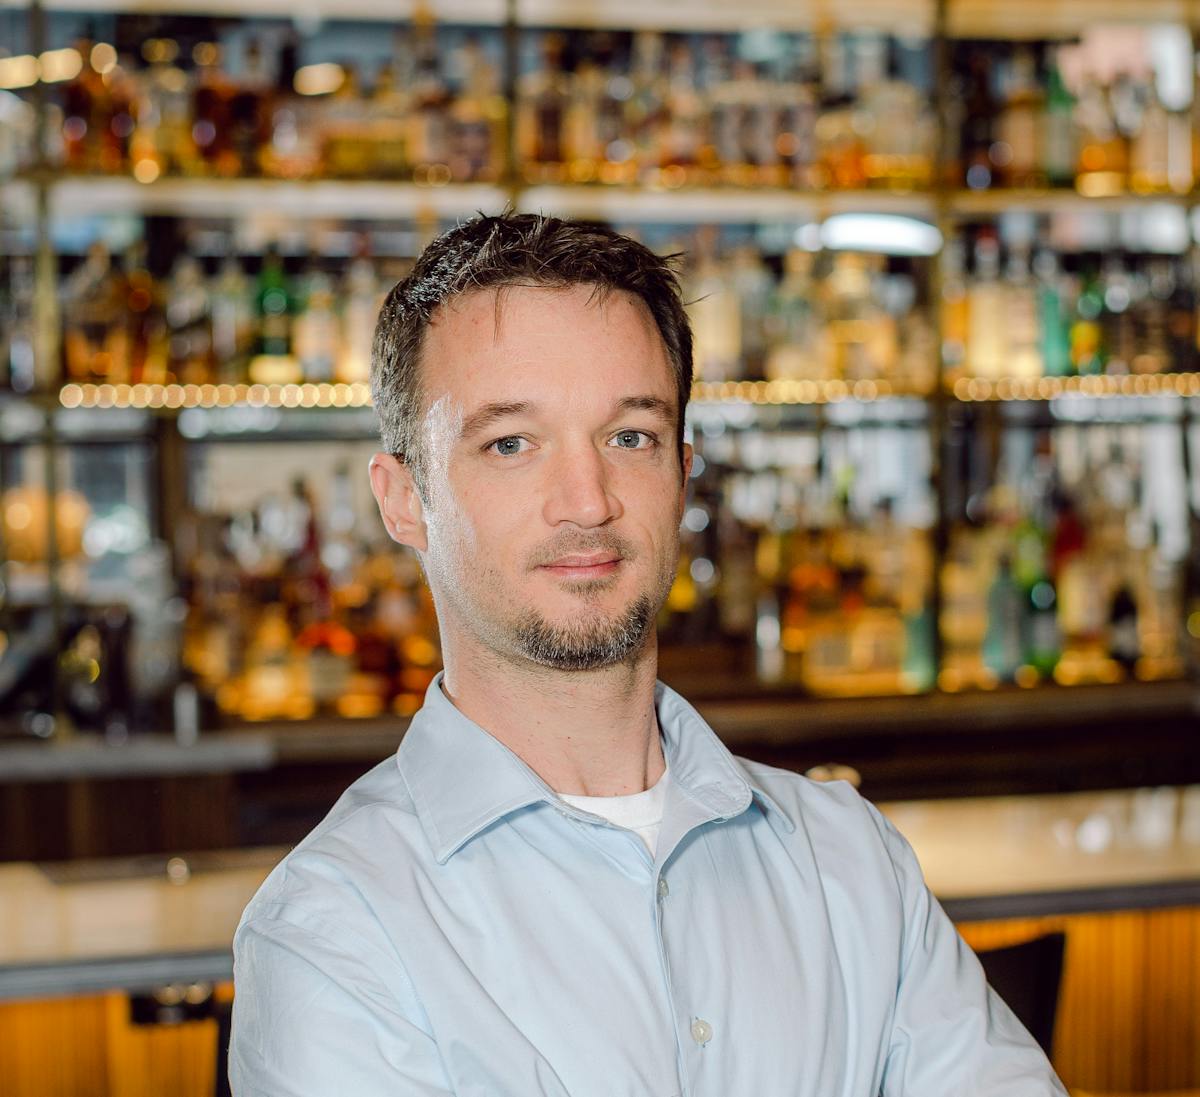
633 439
507 447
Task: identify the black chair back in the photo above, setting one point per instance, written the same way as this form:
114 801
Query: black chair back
1027 977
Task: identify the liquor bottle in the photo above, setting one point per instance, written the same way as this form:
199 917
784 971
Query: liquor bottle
1019 124
542 112
955 308
293 136
316 330
840 146
95 345
1181 317
189 323
122 89
162 139
211 98
1024 352
18 325
759 127
896 117
1088 352
987 321
978 122
274 362
646 106
753 284
362 294
1059 153
726 95
233 317
583 143
714 311
249 111
87 115
793 323
346 151
798 98
1150 150
686 129
429 132
1121 330
862 332
1103 159
477 117
1054 331
145 321
1003 643
1042 640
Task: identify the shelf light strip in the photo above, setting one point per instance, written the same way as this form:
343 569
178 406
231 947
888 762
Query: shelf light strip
358 394
1046 388
354 395
791 392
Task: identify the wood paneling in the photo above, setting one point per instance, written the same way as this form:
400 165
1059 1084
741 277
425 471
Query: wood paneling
88 1047
1129 1010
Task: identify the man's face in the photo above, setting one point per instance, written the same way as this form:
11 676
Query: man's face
554 484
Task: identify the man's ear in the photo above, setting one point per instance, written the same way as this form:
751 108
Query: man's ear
688 455
399 501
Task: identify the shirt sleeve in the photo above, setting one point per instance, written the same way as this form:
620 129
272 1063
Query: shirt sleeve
951 1033
317 1014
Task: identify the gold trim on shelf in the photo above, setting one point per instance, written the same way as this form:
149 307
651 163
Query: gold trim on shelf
972 389
355 395
358 394
794 392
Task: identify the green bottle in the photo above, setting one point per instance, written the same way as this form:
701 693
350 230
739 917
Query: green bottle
1054 332
1003 645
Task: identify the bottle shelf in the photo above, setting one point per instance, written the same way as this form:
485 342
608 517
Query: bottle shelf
911 16
381 200
733 204
915 16
966 203
1035 19
468 12
394 200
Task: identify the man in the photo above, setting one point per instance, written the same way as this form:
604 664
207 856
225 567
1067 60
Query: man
563 883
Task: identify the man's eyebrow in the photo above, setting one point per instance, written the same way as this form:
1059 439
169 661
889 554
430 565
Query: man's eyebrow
487 414
662 408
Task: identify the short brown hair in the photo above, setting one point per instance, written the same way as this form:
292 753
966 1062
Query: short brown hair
512 249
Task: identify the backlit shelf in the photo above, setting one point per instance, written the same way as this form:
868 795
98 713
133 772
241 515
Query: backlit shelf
685 204
96 195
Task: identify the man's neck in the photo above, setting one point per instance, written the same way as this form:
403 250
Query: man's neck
585 733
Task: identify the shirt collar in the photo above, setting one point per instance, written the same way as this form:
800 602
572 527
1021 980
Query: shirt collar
462 780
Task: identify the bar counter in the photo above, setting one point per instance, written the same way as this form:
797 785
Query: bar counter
136 923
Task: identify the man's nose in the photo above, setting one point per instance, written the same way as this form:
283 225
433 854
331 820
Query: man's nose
579 489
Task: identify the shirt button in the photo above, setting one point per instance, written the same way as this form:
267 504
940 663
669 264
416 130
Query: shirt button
701 1031
663 890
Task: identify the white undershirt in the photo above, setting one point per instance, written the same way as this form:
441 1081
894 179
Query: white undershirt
640 812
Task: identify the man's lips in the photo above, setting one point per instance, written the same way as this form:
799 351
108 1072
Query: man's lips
586 565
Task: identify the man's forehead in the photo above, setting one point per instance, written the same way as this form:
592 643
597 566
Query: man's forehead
478 304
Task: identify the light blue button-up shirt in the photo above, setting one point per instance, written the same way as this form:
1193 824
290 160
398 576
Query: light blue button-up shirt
454 927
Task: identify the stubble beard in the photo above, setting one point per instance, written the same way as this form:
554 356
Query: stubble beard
589 647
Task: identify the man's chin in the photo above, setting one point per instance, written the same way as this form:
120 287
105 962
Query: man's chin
587 641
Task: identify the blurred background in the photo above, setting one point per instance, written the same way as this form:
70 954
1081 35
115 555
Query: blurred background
943 533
